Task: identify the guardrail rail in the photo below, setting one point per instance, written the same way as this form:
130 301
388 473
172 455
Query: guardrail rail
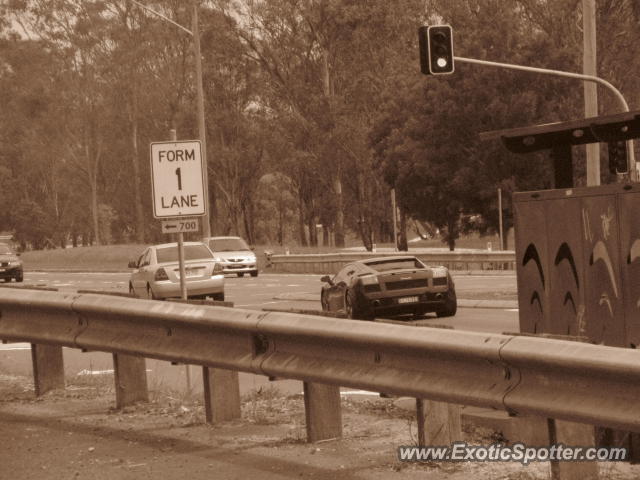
326 263
523 375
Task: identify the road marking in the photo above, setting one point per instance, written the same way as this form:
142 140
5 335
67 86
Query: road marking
95 372
15 348
260 303
360 392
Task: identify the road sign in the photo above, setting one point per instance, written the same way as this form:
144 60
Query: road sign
177 176
181 225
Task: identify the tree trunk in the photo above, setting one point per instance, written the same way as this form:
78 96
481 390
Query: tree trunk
301 214
139 227
326 236
313 231
93 186
403 245
339 234
247 215
452 234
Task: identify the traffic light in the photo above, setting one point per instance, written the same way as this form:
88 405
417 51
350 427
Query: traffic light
618 156
436 49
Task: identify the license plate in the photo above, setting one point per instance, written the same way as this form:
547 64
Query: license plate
195 272
407 299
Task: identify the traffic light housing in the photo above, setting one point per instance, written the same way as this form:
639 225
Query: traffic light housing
436 49
618 156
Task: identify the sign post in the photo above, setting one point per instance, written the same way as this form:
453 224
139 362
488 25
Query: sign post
179 191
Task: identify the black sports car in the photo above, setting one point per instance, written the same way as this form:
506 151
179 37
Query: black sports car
389 287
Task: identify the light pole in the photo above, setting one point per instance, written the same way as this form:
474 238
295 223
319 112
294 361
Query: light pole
195 33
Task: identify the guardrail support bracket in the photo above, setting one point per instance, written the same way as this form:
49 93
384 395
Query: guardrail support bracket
48 368
130 379
438 422
221 394
323 411
571 433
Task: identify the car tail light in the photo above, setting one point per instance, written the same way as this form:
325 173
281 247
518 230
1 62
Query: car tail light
372 288
161 274
370 283
217 269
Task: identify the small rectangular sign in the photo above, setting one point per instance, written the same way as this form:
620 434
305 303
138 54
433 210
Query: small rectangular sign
178 179
181 226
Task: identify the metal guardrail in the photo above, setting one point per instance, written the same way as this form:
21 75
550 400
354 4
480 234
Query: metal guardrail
522 375
332 262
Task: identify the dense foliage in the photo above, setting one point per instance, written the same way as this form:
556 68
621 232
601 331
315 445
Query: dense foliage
315 109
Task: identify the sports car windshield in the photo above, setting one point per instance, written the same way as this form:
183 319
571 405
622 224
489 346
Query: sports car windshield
395 264
191 252
227 244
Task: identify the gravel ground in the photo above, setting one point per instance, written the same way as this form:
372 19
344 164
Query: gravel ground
76 433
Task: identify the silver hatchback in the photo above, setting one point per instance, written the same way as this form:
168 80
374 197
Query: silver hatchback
156 272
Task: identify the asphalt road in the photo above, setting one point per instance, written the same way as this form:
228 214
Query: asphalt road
280 291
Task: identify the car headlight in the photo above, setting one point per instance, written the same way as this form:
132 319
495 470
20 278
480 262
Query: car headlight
217 268
14 262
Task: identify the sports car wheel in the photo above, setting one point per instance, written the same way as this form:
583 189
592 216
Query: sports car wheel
132 292
254 273
450 307
241 274
352 309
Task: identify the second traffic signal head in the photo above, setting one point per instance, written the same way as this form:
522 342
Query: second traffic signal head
618 156
436 49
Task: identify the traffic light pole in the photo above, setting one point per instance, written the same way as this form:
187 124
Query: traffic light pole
631 162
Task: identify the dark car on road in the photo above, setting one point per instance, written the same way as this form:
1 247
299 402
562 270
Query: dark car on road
389 287
10 264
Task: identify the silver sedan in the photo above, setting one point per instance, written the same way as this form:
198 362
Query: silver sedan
156 272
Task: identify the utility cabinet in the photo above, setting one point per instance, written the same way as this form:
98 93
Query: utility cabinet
578 262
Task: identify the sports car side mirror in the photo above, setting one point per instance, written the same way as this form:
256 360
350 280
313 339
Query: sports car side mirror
326 279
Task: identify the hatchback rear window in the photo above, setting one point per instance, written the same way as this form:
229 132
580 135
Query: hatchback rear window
395 264
191 252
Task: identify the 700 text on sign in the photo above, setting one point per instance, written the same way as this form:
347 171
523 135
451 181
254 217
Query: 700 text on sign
178 181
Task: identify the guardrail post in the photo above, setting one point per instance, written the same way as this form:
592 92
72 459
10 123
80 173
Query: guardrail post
130 379
438 423
221 394
571 433
48 368
322 411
